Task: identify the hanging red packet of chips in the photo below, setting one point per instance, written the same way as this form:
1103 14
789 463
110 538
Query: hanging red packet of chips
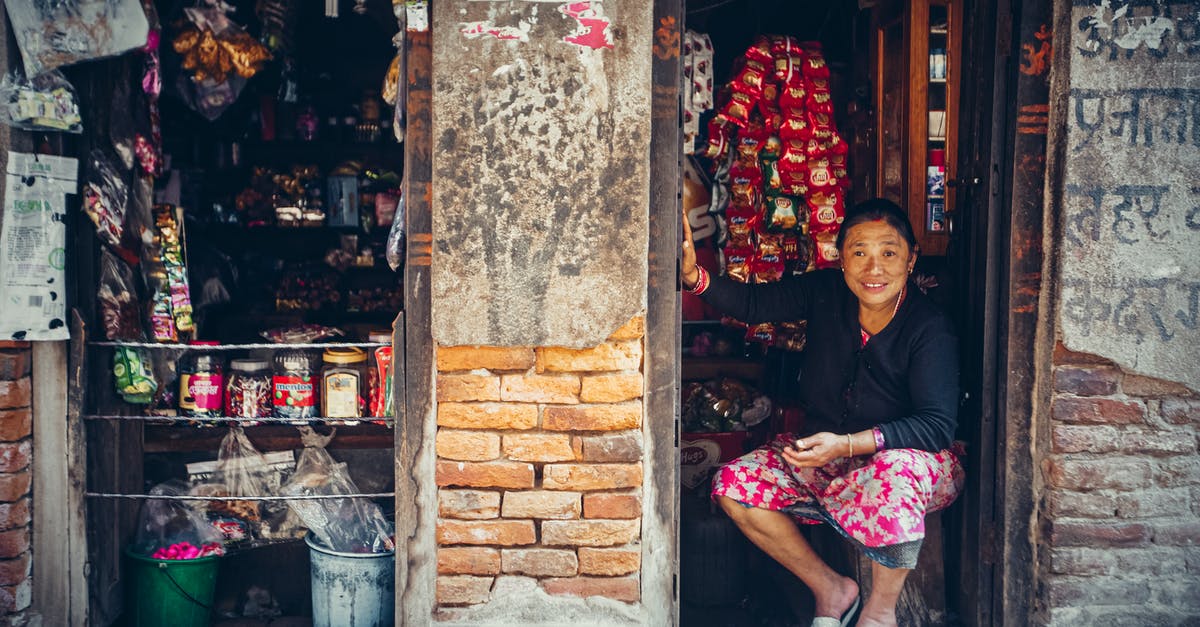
837 166
760 50
782 213
770 244
825 250
794 157
768 268
763 333
795 125
814 62
738 263
737 110
750 80
819 97
795 183
745 188
820 174
793 96
741 224
718 140
826 212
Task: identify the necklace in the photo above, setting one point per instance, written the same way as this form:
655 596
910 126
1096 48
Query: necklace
899 299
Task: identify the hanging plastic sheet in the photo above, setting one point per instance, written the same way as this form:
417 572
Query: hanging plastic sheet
54 33
33 242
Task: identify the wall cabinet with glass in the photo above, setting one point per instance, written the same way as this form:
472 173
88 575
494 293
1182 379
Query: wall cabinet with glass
916 62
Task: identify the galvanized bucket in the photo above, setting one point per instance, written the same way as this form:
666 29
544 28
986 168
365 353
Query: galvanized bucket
351 589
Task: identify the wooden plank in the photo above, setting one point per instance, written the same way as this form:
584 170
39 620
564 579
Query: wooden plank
660 521
60 589
416 495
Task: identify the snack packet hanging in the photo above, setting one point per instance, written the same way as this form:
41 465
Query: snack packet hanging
104 196
132 376
46 102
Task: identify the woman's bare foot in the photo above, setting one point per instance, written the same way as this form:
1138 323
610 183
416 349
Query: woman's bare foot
871 617
839 599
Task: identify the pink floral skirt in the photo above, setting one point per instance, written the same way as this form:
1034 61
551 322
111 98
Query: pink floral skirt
879 501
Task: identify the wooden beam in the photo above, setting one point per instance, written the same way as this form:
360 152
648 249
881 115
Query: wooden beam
416 494
60 588
660 522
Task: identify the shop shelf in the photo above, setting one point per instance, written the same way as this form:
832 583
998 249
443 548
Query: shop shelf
182 437
241 346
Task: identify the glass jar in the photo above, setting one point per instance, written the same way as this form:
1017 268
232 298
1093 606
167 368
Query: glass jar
293 384
248 392
379 374
201 381
343 382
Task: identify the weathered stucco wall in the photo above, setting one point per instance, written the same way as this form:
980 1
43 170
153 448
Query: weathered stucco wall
541 128
1130 255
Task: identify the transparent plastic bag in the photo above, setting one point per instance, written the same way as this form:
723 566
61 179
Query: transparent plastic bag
62 32
46 102
120 311
104 196
169 529
395 240
351 525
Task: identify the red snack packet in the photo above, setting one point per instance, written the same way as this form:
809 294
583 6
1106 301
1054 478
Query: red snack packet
837 165
749 81
772 116
737 110
795 125
795 183
790 247
770 93
744 188
770 244
793 96
741 224
738 264
768 268
718 139
814 62
825 249
819 97
820 122
794 158
785 44
820 175
826 212
760 50
763 333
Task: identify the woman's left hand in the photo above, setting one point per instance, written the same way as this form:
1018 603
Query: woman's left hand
814 451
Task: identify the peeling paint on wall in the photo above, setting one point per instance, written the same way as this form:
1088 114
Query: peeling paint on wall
541 177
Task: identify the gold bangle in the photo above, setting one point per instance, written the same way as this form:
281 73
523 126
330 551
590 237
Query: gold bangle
850 441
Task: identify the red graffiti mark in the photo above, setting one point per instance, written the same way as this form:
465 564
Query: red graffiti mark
475 30
1038 58
592 30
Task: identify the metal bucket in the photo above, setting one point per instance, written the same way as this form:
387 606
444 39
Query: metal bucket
351 589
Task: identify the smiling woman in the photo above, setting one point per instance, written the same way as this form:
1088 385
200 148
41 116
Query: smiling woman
879 386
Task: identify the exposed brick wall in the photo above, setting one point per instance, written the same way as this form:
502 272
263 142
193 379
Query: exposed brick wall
16 451
1120 523
539 468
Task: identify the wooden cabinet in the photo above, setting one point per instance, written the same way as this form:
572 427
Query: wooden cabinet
916 66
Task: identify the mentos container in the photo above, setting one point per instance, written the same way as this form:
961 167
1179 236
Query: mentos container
295 384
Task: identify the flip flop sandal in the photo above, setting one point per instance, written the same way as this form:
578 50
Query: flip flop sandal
829 621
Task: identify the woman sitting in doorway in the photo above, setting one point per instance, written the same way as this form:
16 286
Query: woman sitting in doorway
879 384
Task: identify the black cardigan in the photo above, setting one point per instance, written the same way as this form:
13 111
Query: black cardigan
905 380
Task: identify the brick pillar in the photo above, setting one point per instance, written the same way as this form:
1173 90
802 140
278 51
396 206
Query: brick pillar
16 450
1121 516
539 468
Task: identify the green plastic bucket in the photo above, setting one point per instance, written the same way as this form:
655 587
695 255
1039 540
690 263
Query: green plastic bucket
175 593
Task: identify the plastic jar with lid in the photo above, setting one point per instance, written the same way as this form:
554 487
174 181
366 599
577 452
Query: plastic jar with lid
294 384
379 374
249 391
343 382
201 381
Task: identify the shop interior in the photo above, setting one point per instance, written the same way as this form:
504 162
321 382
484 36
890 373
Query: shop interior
892 71
242 346
291 177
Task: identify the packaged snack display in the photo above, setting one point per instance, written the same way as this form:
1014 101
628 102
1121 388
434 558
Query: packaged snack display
295 384
248 391
380 375
132 376
787 176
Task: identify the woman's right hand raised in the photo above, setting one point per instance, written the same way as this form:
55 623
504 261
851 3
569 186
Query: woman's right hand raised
689 273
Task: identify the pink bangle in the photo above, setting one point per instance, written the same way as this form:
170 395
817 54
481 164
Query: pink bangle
701 283
880 444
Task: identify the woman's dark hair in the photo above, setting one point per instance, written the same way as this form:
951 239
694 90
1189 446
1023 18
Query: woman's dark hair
878 209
